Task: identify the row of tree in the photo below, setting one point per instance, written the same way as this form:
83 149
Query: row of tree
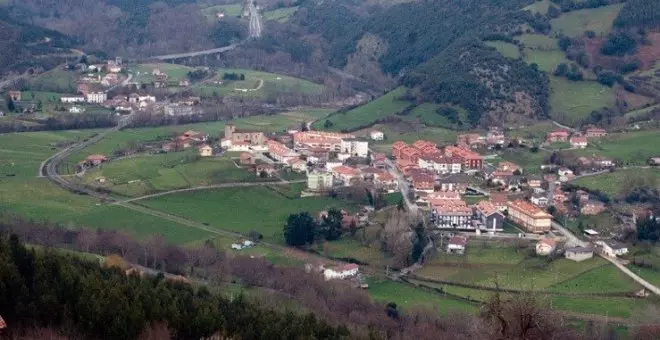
302 229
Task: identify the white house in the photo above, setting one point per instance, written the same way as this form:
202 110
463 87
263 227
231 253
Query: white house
376 135
205 150
355 147
613 248
456 245
239 146
97 97
342 272
539 200
329 166
578 254
146 98
297 165
545 246
72 99
319 181
225 143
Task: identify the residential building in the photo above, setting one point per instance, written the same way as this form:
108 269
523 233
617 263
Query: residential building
397 147
442 195
440 164
15 95
579 142
578 254
83 89
328 141
423 182
195 136
534 182
319 181
97 97
246 158
469 140
471 159
488 215
540 201
354 147
456 245
410 154
423 144
451 214
297 165
205 150
376 135
330 165
341 272
557 136
267 170
345 174
96 159
545 246
386 180
509 167
565 172
454 182
593 132
370 172
239 146
232 135
72 99
612 248
500 200
654 161
529 216
280 152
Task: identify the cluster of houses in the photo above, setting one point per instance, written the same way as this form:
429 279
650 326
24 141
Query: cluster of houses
577 140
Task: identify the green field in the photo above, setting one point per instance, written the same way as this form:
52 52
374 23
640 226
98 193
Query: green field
529 161
538 41
438 135
642 111
575 23
233 10
142 175
406 296
55 80
242 209
613 183
571 102
142 73
256 84
609 306
536 132
379 108
350 248
427 114
506 49
281 14
540 7
592 281
631 148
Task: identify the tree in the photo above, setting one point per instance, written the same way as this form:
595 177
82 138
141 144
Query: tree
300 229
330 227
328 124
11 106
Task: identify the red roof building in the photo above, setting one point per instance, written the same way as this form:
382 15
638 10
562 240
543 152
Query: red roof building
594 132
470 159
558 136
397 147
579 142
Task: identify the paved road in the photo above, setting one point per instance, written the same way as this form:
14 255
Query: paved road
255 26
195 54
404 186
209 187
571 239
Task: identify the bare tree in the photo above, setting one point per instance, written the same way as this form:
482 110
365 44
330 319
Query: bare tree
396 238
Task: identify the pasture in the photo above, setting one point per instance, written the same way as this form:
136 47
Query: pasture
379 108
280 14
613 183
407 296
508 50
540 7
242 209
56 80
571 102
143 73
631 148
231 10
575 23
426 113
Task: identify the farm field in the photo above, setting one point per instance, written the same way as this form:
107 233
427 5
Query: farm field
609 306
642 111
536 132
546 60
379 108
572 102
529 161
350 248
143 72
538 42
427 114
575 23
56 80
604 279
540 7
613 183
406 296
256 84
153 173
648 274
242 209
280 14
232 10
506 49
631 148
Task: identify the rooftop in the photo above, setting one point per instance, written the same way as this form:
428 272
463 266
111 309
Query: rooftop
529 209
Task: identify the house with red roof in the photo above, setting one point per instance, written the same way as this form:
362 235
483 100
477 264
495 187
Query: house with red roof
530 217
469 158
557 136
594 132
423 182
397 147
95 160
578 142
345 174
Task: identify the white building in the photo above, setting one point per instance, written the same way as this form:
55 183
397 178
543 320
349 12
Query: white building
613 248
147 98
72 99
376 135
76 109
354 147
97 97
545 246
456 245
342 272
319 181
578 254
329 166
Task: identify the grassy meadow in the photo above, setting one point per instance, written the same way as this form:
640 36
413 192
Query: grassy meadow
631 148
280 14
575 23
571 102
407 296
613 183
506 49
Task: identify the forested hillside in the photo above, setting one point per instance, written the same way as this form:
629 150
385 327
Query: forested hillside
644 13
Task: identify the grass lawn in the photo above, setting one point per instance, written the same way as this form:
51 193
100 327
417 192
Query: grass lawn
612 182
379 108
609 306
427 114
232 10
281 14
529 161
641 112
242 209
648 274
350 248
406 296
55 80
256 84
546 60
538 42
571 102
506 49
536 132
575 23
604 279
631 148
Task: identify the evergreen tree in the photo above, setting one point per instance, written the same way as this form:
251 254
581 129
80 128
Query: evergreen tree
300 229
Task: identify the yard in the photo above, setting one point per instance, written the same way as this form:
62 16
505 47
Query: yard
242 209
379 108
612 183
